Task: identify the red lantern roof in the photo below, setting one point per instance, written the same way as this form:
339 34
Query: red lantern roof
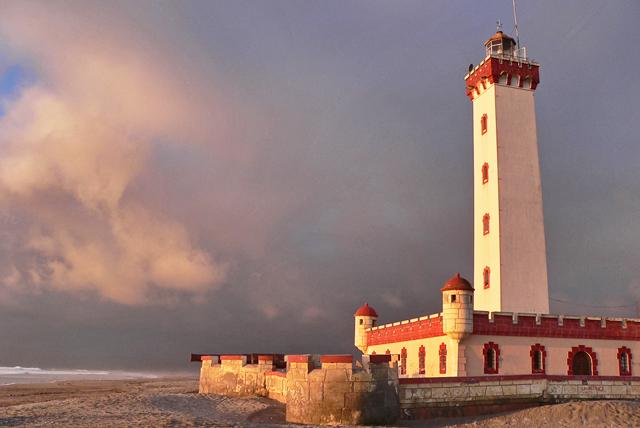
366 311
457 283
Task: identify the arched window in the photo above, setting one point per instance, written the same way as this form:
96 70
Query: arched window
485 224
582 361
403 361
624 361
483 124
486 277
443 358
422 353
538 356
491 353
485 173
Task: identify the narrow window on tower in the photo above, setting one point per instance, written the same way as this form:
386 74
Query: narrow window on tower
403 361
485 173
486 277
443 358
483 124
422 353
485 224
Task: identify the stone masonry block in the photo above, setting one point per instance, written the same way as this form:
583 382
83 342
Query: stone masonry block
509 390
494 391
337 375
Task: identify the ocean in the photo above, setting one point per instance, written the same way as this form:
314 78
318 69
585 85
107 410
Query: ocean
14 375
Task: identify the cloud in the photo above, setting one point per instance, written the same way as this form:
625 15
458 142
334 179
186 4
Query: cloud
73 145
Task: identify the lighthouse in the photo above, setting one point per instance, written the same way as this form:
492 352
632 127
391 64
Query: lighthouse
510 266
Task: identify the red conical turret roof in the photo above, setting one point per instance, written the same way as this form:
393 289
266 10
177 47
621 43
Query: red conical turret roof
366 311
457 283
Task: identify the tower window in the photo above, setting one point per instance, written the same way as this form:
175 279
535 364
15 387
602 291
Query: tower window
485 224
453 298
485 173
538 356
483 124
422 353
486 277
624 361
491 354
442 353
403 361
361 321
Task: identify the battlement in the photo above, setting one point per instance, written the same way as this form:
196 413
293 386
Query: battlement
547 325
411 329
511 324
317 389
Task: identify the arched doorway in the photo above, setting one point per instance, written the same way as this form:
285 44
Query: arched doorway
581 364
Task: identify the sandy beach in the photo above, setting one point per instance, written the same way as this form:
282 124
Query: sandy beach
173 402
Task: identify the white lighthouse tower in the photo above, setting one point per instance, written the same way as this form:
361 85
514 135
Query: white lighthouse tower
510 266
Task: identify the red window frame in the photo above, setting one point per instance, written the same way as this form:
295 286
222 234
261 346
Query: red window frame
422 354
485 173
486 277
621 351
403 361
486 352
588 350
483 124
486 219
442 353
543 359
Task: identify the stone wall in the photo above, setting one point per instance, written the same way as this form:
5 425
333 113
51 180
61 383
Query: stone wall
316 389
231 375
276 385
335 393
426 398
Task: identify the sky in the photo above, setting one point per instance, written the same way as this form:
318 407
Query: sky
240 176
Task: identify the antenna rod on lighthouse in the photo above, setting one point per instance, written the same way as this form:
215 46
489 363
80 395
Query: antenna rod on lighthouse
515 20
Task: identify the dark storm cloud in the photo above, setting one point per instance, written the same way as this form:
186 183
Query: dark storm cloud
240 176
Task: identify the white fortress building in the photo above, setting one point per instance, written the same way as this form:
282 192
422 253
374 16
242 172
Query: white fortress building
494 347
501 325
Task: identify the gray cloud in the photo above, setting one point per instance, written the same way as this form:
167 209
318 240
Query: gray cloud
240 176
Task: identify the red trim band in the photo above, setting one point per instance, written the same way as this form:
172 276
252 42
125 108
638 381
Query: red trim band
346 359
298 358
477 379
231 357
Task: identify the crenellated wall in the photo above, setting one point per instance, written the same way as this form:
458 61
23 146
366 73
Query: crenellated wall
323 389
335 393
231 375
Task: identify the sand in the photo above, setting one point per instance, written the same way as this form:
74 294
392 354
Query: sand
173 402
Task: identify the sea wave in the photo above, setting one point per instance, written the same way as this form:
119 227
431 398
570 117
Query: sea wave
18 374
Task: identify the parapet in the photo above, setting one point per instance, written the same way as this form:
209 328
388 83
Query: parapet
547 325
317 389
412 329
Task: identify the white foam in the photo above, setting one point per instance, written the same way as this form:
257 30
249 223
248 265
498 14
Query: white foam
18 374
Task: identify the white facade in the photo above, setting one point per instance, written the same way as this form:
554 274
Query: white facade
513 251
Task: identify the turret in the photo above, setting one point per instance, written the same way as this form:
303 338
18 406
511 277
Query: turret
457 307
365 317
